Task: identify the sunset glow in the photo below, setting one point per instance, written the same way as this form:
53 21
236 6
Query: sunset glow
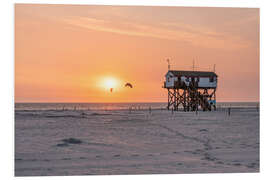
73 53
110 82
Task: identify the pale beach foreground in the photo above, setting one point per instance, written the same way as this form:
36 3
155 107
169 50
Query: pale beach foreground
75 142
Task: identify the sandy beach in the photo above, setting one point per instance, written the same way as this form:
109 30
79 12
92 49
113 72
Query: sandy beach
104 142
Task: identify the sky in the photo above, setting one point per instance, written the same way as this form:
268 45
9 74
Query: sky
77 53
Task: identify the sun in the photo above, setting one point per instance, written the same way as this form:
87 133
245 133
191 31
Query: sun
110 83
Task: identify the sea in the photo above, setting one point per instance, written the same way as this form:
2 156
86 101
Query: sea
118 106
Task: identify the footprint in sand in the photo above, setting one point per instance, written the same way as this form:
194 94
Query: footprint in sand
203 130
220 162
237 164
251 165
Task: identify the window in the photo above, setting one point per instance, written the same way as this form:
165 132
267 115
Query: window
211 79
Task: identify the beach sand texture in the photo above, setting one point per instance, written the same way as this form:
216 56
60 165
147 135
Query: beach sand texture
99 142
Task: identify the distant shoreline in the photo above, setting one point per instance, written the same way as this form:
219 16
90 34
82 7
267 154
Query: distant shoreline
121 102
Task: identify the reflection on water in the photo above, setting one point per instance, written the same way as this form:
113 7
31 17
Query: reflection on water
113 106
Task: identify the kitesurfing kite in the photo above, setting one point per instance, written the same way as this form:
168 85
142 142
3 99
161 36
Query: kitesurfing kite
128 85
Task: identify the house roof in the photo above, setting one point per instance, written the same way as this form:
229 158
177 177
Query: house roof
193 73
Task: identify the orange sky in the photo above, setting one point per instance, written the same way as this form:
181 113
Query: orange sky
64 53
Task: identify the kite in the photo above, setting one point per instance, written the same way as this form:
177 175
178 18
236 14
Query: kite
128 85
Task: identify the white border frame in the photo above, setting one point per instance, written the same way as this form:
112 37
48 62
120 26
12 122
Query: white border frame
7 82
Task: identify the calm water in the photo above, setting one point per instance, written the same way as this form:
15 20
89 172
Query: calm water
113 106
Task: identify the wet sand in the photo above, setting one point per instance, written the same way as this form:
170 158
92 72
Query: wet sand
76 142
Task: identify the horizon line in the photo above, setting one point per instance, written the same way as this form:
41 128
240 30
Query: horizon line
132 102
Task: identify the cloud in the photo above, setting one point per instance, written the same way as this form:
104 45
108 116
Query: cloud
177 31
224 28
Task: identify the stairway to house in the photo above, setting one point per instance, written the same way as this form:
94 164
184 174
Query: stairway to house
203 101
